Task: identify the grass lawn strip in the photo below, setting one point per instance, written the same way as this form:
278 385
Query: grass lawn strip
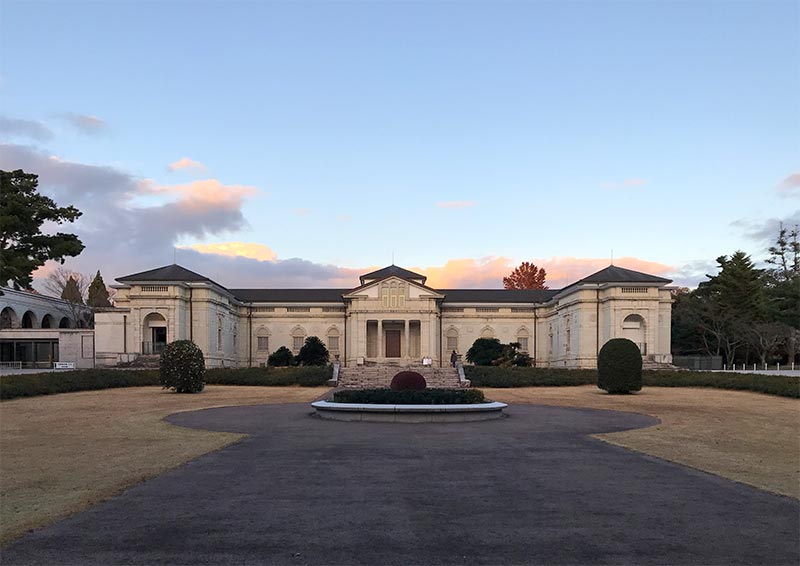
60 454
747 437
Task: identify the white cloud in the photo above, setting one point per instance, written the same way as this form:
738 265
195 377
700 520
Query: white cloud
186 163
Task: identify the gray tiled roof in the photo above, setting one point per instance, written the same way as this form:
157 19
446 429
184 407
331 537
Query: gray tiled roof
289 295
172 272
390 271
497 295
614 274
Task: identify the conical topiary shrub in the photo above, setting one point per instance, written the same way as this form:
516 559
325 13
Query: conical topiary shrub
619 366
182 367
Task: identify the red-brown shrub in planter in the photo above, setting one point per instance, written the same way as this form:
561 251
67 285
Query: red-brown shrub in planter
407 380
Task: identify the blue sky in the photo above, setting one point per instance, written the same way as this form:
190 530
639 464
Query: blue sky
464 137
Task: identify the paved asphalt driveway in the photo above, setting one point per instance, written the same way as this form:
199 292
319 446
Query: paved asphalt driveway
530 489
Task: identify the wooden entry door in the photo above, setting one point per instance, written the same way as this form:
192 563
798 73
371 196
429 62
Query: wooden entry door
392 343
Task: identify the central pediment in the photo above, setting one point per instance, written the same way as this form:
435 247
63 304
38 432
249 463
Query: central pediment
393 285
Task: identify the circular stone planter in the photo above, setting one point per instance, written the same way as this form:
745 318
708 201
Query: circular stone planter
409 413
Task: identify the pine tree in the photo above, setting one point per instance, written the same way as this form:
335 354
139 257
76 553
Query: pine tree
98 294
71 292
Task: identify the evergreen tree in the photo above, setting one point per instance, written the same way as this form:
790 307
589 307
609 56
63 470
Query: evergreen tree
98 294
313 353
71 292
23 247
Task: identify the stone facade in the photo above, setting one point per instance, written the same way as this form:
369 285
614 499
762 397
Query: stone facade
392 317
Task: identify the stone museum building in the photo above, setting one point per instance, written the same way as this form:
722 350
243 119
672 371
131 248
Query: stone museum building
391 317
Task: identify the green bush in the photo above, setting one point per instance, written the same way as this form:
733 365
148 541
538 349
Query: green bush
619 366
311 376
484 351
313 353
782 385
182 367
281 357
33 384
491 376
408 380
410 396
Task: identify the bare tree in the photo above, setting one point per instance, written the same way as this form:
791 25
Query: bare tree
57 280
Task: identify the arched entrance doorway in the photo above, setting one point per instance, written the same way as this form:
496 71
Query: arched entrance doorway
633 328
154 333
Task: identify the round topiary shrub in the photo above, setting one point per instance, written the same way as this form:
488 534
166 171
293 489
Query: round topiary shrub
406 380
182 367
619 366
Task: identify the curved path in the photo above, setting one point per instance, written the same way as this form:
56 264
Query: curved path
530 489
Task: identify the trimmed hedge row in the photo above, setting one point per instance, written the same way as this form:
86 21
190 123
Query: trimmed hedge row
306 376
33 384
781 385
409 396
492 376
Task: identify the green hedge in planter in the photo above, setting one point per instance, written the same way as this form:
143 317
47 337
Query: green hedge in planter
385 396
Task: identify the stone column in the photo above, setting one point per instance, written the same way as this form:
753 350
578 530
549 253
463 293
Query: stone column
380 339
406 342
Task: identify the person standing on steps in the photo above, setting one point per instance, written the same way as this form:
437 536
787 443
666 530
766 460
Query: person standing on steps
453 358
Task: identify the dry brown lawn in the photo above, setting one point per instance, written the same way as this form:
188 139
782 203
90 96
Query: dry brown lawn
747 437
63 453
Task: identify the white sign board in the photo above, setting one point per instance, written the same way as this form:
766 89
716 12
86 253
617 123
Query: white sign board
63 365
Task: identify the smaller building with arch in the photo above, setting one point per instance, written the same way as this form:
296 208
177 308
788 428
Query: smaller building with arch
36 331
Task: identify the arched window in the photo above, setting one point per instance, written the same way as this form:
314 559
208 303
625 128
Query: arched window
452 339
522 338
8 318
48 321
64 322
487 332
298 338
333 339
262 339
29 320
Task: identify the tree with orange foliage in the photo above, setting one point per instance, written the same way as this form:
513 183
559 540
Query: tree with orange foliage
526 276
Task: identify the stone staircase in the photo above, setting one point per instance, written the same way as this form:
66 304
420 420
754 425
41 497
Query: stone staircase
360 377
145 361
649 363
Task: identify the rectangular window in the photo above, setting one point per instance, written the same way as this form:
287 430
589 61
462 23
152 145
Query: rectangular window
452 343
487 309
297 343
567 344
298 309
333 343
263 343
523 343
